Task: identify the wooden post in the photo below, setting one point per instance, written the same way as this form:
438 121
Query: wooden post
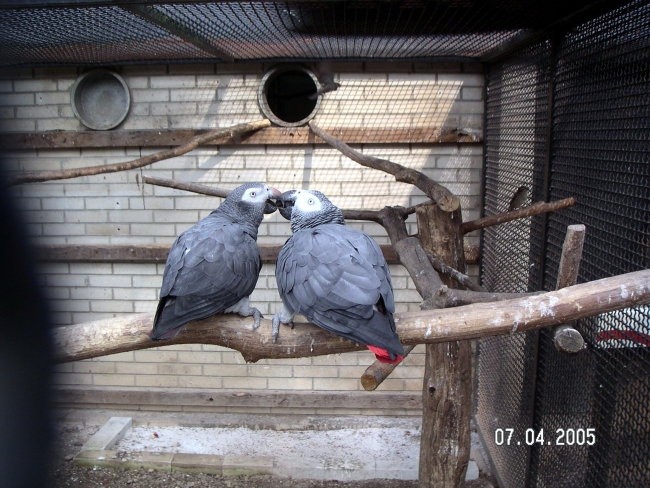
447 389
565 337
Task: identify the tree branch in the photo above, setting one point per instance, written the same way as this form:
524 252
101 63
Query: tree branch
427 281
410 253
186 186
452 297
128 333
350 214
565 337
447 381
193 143
461 278
534 209
446 200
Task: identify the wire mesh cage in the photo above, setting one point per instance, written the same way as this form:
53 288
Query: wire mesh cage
101 32
590 108
566 115
516 122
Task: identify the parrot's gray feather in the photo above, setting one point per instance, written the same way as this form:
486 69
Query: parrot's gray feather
338 278
215 263
210 268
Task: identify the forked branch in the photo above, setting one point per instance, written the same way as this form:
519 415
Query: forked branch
446 200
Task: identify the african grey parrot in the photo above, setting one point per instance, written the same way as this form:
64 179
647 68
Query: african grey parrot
214 265
335 276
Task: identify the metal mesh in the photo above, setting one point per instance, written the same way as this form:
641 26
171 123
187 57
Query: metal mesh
598 148
514 152
86 36
242 31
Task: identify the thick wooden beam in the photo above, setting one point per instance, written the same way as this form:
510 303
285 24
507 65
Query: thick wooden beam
145 253
110 253
131 332
157 253
270 136
196 398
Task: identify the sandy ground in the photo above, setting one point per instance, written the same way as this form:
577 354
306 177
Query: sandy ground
339 448
346 454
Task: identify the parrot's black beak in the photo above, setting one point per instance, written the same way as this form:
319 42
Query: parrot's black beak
272 202
285 203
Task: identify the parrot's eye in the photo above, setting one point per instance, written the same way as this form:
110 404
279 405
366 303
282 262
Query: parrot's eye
253 194
310 201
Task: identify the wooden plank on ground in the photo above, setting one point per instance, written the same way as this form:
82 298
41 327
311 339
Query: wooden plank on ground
181 397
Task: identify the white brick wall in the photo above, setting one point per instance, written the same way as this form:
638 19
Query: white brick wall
118 209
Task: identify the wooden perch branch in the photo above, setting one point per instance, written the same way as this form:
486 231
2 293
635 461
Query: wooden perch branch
534 209
187 186
446 200
128 333
565 337
447 384
377 372
193 143
453 273
452 297
350 214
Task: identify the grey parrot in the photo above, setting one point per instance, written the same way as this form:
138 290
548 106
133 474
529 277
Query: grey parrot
335 276
214 265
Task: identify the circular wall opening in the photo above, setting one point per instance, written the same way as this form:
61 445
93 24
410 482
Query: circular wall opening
288 95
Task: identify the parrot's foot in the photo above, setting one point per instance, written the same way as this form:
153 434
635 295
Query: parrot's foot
275 326
284 316
257 317
243 308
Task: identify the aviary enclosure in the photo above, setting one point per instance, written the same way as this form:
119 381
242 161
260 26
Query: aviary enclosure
561 314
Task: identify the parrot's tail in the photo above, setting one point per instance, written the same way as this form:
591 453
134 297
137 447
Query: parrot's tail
383 356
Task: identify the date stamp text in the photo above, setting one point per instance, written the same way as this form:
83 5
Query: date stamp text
530 437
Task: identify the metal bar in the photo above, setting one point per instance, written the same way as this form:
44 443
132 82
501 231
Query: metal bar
151 14
17 4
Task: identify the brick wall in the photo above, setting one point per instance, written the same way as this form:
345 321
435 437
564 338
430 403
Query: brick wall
118 209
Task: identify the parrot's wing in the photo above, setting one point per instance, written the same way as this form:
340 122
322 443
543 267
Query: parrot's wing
210 267
338 278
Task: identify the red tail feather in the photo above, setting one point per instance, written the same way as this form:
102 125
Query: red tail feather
383 355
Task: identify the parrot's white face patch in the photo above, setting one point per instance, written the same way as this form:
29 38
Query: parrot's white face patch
256 195
307 202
